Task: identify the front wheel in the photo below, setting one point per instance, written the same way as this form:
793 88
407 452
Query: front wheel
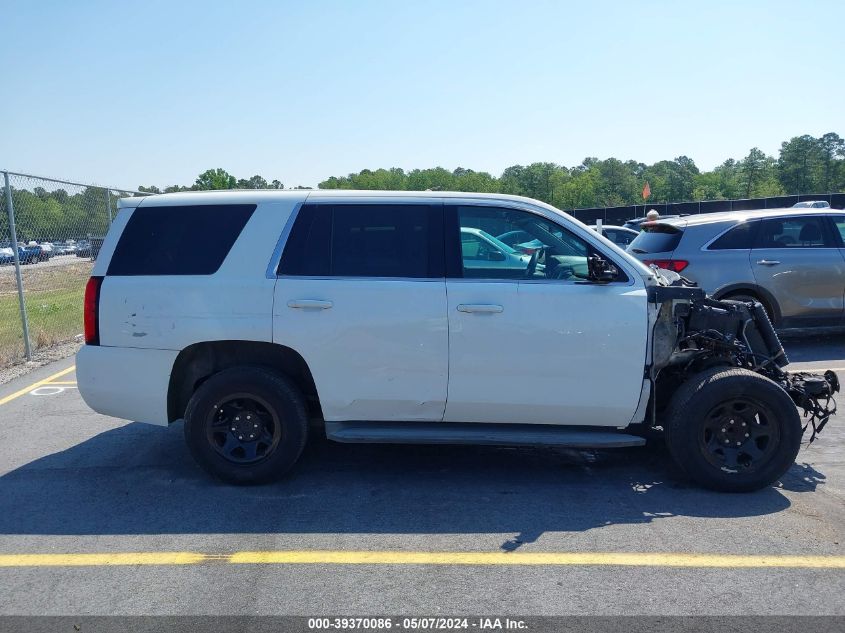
246 425
732 430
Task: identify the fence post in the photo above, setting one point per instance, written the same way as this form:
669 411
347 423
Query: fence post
108 206
10 207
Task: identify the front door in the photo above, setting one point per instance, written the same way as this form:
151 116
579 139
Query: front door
530 341
361 295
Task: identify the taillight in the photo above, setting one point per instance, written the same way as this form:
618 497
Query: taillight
91 311
675 265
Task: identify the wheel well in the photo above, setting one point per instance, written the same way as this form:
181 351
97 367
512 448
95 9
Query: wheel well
763 296
196 363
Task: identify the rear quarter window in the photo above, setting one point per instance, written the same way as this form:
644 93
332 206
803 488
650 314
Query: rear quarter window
658 238
740 237
178 240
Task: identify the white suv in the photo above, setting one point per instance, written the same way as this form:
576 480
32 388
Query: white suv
257 317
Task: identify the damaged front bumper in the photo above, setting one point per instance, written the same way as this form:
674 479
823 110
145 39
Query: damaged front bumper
694 332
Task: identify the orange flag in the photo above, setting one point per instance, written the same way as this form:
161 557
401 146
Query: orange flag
646 191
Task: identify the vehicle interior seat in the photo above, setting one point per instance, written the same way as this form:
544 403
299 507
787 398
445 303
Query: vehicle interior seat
810 235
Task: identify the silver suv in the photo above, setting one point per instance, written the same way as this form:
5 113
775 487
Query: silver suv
791 260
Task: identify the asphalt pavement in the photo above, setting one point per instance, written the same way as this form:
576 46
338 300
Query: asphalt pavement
405 530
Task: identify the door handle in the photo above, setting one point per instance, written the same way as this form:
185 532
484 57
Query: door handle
768 262
483 308
311 304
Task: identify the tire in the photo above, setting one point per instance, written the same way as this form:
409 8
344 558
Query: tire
732 430
255 452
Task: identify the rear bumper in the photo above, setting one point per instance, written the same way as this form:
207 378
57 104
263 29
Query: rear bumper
127 383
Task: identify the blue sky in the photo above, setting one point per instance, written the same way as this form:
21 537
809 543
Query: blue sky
153 93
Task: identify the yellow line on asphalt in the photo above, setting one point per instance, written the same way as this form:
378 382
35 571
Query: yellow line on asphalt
35 385
100 560
328 557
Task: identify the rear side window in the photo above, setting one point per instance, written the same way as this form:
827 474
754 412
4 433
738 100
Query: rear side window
741 237
356 240
839 220
658 238
799 232
178 240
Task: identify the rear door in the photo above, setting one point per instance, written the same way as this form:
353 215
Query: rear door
361 295
798 259
532 342
839 232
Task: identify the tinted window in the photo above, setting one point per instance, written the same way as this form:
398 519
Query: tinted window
178 240
365 241
802 232
620 238
657 238
307 250
840 225
739 237
511 244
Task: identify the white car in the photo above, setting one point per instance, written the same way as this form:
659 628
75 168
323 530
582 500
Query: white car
812 204
257 317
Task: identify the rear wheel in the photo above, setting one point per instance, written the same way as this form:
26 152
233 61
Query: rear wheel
733 430
246 425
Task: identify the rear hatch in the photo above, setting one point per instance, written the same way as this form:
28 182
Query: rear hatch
656 245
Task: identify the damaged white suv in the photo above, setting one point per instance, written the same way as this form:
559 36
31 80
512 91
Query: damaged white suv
409 317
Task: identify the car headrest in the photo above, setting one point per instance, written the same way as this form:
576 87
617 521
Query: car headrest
810 233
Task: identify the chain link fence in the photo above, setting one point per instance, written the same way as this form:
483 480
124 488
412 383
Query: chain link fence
50 234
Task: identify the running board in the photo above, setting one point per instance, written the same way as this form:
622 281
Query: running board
475 433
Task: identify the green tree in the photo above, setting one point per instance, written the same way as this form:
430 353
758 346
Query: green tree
831 175
215 179
799 160
256 182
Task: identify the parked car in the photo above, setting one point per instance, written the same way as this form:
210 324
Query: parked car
790 260
33 253
361 315
83 248
635 224
619 235
812 204
7 256
482 252
65 248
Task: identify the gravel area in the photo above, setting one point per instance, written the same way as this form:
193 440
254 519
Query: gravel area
40 358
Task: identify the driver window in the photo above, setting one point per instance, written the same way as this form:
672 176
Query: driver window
501 243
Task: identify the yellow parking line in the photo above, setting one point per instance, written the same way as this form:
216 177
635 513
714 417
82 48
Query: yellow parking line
35 385
99 560
635 559
328 557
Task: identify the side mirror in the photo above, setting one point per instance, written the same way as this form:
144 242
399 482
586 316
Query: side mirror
600 271
497 256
